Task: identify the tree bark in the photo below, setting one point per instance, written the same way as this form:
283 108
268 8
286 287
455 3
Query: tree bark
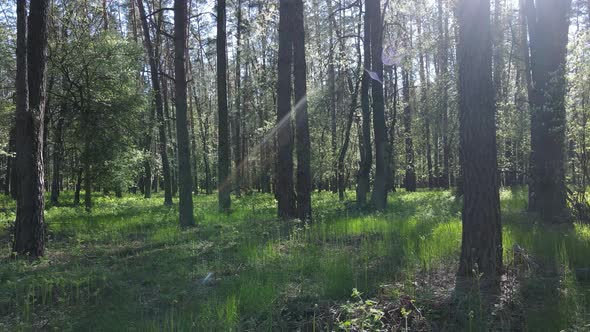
57 157
224 153
30 232
379 195
481 247
548 23
410 176
238 116
285 195
365 148
185 197
303 148
443 93
354 92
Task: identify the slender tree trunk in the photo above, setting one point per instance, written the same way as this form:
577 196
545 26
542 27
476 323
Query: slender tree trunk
185 198
379 196
354 91
285 195
238 117
303 148
30 232
78 187
57 158
424 85
224 153
391 131
157 91
443 93
332 93
365 148
410 179
11 172
481 248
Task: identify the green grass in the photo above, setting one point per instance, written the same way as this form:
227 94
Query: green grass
127 265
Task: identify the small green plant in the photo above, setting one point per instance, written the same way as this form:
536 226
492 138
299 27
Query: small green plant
361 315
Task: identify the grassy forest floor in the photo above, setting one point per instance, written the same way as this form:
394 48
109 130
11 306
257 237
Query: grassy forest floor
127 266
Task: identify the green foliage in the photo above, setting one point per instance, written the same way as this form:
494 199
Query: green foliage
127 264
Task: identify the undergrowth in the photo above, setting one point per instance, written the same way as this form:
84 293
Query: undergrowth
128 266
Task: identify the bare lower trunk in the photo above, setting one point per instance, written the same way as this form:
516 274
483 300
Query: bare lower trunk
30 232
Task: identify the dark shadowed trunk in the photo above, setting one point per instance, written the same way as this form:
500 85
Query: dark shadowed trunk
30 236
410 178
548 23
57 157
379 195
285 194
185 180
481 248
238 117
224 153
303 147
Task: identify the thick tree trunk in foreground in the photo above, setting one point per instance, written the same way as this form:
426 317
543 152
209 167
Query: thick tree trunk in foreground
379 196
158 99
548 23
185 197
30 236
303 187
224 153
365 148
284 182
481 248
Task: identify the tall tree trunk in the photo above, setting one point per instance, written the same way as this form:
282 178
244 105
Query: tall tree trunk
354 93
157 91
481 247
410 178
424 87
391 131
365 148
548 23
224 151
443 93
30 233
303 147
332 93
379 195
285 194
78 187
57 157
11 172
238 117
185 197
